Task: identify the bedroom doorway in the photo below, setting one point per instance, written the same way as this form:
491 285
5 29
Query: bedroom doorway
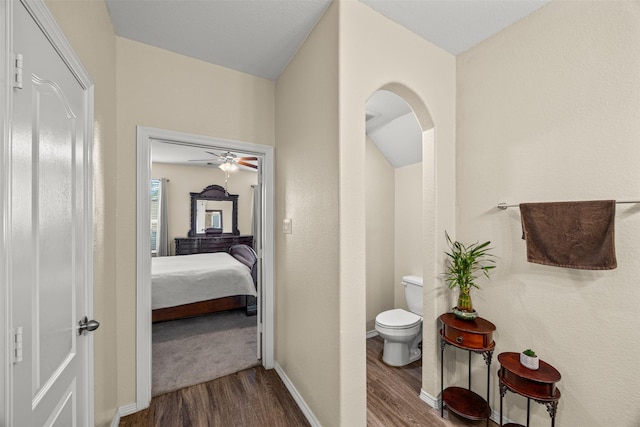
262 230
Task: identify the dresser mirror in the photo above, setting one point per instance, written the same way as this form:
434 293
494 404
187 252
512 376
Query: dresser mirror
214 212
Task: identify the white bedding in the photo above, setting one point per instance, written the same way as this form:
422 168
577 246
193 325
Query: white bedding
177 280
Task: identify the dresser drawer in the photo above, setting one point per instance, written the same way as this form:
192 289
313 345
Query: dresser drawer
466 338
200 245
474 334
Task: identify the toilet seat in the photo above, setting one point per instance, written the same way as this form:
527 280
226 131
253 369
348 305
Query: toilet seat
398 319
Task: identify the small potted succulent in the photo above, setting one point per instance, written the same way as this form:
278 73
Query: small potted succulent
528 359
465 261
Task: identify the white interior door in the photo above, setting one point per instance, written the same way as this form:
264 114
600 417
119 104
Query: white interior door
50 234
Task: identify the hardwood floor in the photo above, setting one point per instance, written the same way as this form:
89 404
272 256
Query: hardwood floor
256 397
393 395
253 397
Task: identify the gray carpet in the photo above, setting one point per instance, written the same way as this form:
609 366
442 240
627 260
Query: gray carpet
191 351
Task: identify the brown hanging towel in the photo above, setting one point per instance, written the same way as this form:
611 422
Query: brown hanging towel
570 234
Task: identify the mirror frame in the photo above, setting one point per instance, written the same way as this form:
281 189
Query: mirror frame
214 192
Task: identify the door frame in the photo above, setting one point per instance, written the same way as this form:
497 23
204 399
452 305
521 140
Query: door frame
145 136
45 20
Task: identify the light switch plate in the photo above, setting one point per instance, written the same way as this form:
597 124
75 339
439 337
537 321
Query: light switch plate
286 226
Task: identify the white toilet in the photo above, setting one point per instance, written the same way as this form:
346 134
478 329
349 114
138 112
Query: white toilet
401 329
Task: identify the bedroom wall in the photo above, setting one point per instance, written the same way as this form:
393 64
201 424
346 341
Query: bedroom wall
376 53
307 260
380 232
187 179
161 89
548 111
98 55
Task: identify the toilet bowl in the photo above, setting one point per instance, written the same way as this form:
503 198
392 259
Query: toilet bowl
401 329
402 332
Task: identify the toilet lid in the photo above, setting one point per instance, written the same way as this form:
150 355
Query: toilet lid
398 318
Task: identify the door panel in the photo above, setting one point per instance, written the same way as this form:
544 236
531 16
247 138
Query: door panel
49 236
53 135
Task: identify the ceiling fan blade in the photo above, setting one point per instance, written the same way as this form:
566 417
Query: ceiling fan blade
247 158
214 154
203 160
240 162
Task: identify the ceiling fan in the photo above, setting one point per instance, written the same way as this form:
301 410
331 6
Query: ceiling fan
230 161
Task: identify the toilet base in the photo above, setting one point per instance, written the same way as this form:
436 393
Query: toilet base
400 354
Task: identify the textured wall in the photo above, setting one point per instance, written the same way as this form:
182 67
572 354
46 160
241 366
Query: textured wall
408 243
161 89
186 179
380 232
307 332
375 53
548 111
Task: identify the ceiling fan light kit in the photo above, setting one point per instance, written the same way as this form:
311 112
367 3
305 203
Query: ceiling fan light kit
229 163
228 166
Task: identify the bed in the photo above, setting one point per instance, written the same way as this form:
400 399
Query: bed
191 285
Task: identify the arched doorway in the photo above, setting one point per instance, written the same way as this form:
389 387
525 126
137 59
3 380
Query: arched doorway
399 207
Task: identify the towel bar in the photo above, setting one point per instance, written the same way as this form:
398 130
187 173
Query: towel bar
503 206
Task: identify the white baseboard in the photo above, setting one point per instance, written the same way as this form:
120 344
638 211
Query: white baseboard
435 404
495 417
123 411
371 334
116 419
297 397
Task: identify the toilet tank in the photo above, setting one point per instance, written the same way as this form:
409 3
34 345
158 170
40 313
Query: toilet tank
413 293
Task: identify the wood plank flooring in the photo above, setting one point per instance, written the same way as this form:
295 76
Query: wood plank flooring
253 397
256 397
393 395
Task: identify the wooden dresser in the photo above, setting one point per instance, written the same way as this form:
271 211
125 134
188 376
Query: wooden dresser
207 244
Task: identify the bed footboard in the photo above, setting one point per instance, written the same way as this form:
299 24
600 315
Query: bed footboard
204 307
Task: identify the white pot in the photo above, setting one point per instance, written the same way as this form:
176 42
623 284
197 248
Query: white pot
529 362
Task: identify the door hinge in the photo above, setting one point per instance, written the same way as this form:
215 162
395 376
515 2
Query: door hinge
17 345
17 75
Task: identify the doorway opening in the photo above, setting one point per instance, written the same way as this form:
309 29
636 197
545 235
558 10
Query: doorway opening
400 222
263 246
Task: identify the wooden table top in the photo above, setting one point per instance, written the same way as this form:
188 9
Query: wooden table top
545 374
475 326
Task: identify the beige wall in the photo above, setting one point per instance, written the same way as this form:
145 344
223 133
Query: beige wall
160 89
558 89
183 95
307 332
408 242
186 179
548 111
376 53
87 26
394 243
380 232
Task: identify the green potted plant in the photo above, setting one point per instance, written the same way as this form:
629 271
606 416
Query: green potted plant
529 359
465 261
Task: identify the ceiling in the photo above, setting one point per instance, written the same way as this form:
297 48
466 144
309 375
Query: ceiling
259 37
393 128
182 154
